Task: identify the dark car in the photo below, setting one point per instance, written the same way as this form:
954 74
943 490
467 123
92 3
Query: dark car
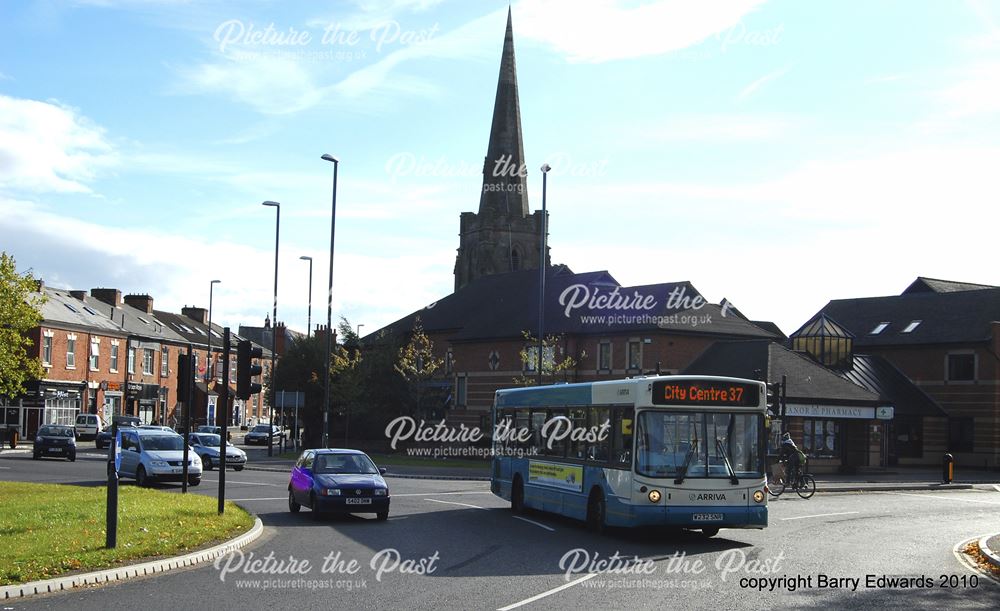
123 422
261 433
215 430
341 481
55 440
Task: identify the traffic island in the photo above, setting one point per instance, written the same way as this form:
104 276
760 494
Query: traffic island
56 533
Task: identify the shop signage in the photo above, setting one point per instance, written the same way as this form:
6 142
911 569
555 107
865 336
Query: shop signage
830 411
884 413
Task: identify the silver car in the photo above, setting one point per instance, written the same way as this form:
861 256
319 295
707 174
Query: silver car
207 446
150 455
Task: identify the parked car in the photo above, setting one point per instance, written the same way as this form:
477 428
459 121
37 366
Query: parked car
260 433
55 440
207 446
215 430
123 422
150 455
345 481
87 426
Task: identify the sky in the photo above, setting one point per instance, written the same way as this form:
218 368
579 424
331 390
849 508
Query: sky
777 154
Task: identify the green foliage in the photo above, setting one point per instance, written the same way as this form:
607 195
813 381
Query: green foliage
52 529
19 314
551 365
417 364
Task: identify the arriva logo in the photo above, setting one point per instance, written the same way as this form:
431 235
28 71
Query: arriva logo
708 496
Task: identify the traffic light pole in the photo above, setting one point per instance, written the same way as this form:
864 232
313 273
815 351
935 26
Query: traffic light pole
225 420
185 375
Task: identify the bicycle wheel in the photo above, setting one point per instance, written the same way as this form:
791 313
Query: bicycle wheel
806 487
776 487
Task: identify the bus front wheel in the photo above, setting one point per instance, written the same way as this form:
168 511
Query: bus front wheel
596 511
517 496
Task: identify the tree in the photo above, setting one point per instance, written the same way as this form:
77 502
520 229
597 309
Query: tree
417 365
19 314
551 366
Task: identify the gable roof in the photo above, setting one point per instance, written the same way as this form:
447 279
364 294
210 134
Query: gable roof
880 376
950 317
934 285
63 309
504 305
805 378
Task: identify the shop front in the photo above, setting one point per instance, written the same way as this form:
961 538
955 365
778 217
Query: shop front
839 438
143 400
45 402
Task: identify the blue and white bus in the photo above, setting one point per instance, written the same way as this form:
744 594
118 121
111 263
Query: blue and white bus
683 451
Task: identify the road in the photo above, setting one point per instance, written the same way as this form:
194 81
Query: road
453 545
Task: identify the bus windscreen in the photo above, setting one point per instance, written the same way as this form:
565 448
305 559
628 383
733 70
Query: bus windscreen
706 392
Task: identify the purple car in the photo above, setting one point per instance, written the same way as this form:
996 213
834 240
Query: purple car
339 481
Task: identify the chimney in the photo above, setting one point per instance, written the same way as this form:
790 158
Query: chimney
112 297
140 302
267 321
40 285
79 295
199 315
320 334
279 339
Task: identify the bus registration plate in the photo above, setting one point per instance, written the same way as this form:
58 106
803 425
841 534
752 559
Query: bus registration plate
707 517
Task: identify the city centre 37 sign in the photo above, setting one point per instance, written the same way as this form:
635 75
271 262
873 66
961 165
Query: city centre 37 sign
705 392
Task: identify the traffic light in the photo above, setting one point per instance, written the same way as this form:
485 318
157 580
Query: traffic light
246 352
185 375
774 397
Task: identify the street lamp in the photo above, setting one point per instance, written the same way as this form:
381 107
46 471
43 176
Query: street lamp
329 306
309 315
208 364
541 274
274 317
358 332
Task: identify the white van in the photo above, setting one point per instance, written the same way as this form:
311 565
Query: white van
87 426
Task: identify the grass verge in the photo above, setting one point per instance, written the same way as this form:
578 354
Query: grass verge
49 529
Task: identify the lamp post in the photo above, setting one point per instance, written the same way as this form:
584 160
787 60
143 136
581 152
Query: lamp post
329 305
358 332
208 361
541 275
274 319
309 315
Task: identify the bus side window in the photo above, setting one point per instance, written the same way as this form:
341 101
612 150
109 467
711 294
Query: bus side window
558 446
537 421
623 430
599 426
578 446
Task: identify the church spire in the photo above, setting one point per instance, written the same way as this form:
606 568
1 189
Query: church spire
504 180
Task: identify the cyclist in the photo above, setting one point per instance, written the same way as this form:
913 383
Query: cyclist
793 456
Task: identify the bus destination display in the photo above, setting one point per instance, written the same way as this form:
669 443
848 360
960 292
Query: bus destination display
705 392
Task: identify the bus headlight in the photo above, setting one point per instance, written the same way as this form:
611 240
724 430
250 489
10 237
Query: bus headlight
758 496
654 496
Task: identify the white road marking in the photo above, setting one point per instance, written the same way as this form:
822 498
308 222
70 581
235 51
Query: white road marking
943 498
967 562
548 593
444 493
539 524
997 486
232 481
8 468
271 498
454 503
822 515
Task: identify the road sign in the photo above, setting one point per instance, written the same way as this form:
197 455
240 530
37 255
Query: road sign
118 451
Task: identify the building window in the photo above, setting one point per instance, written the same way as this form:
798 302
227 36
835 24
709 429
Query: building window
147 361
47 349
604 356
961 367
95 353
232 370
515 260
960 434
634 354
908 436
913 325
70 351
819 438
462 391
449 362
114 356
131 359
164 362
880 327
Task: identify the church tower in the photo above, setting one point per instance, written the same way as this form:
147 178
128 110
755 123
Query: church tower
503 236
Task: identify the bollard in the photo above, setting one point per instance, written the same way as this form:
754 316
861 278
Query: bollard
948 468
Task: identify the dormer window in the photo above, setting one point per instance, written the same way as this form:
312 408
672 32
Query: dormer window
880 327
913 325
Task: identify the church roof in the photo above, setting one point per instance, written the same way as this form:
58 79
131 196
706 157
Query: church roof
505 305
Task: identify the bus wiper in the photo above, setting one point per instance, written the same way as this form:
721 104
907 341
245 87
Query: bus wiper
732 472
687 461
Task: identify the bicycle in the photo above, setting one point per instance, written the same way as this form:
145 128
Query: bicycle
804 486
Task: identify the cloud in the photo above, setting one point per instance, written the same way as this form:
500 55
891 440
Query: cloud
715 128
752 88
606 30
47 146
976 93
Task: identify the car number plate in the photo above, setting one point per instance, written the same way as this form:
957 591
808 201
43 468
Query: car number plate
178 469
358 501
707 517
59 450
